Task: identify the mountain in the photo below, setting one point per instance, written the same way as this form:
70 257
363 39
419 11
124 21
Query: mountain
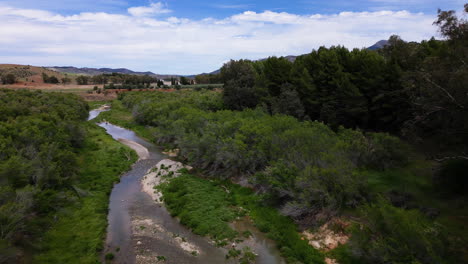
97 71
378 45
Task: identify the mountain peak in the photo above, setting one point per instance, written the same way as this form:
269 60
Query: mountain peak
378 45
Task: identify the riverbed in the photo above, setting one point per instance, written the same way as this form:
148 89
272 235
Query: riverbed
142 231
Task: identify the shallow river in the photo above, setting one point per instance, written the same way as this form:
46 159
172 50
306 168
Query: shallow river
129 203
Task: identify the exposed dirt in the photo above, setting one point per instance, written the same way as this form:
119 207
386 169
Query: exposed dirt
172 153
143 230
328 236
166 168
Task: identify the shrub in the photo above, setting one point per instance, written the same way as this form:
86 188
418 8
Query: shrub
386 151
394 235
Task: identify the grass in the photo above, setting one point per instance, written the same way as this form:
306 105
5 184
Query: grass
200 205
96 104
202 86
279 228
207 208
77 236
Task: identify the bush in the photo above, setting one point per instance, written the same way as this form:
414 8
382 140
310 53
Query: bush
394 235
200 205
386 151
9 78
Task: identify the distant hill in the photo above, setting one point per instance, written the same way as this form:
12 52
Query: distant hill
97 71
28 74
33 74
378 45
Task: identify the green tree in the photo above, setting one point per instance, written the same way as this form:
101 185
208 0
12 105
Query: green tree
66 80
288 102
82 80
276 72
184 80
53 79
395 235
9 78
438 89
239 85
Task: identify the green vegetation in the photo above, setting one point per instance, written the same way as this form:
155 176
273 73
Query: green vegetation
213 78
394 235
305 169
78 235
302 134
278 227
120 116
82 80
280 154
55 180
8 78
49 79
207 207
406 88
200 205
198 87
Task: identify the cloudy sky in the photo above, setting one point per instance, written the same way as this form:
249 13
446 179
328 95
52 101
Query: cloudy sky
189 37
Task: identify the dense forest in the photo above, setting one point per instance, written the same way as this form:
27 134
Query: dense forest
417 90
50 176
39 134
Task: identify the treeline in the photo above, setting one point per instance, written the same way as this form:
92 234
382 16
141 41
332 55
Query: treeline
119 78
113 78
54 80
413 89
213 78
39 136
356 89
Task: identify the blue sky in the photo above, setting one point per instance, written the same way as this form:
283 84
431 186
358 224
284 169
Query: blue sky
187 37
219 9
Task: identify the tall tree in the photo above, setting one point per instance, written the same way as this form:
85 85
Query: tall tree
439 89
239 85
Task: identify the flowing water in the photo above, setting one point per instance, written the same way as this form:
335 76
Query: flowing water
129 203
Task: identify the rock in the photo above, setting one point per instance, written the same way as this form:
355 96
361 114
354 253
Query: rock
315 244
325 238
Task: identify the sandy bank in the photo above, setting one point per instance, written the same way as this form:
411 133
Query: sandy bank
140 150
165 169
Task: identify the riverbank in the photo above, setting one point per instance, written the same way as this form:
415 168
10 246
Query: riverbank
141 231
283 231
77 236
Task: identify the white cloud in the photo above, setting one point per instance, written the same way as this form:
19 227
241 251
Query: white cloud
179 45
152 9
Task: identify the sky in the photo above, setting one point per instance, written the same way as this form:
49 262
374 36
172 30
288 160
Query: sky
191 37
